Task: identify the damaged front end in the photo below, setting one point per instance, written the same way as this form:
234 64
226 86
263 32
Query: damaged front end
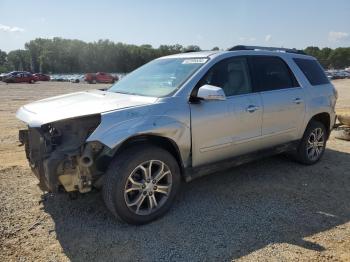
59 155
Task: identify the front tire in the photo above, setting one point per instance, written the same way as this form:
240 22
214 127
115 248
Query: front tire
141 184
313 143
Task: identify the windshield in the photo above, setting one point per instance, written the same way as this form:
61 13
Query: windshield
159 77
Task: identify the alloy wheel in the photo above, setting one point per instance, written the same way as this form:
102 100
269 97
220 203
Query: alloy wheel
148 187
315 144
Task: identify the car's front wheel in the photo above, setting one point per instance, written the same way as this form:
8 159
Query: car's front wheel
313 143
141 184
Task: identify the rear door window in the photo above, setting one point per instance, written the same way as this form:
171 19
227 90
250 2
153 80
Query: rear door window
272 73
312 70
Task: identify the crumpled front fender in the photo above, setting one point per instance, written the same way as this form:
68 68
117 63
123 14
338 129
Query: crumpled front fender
112 132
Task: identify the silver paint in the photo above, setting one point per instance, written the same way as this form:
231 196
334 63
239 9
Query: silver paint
209 130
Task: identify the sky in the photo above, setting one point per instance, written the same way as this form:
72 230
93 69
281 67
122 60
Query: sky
222 23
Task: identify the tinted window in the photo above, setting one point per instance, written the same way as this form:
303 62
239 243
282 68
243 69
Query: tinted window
272 73
232 75
312 70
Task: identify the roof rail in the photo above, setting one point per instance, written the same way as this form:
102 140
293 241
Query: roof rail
190 51
276 49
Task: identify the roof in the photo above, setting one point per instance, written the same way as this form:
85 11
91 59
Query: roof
244 50
192 54
267 48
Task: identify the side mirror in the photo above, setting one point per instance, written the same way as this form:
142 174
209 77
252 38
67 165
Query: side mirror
209 92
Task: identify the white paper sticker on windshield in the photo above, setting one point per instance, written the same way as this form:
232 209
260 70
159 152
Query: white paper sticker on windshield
195 61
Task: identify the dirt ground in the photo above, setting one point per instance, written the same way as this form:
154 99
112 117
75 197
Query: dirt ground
268 210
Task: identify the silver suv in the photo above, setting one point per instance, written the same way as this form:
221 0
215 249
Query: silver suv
177 118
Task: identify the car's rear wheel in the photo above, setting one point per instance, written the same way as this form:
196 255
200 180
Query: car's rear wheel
141 184
313 143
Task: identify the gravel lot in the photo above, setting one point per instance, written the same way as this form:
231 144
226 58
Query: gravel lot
273 209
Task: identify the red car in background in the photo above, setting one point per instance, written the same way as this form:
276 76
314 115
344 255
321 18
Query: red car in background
19 77
100 77
41 77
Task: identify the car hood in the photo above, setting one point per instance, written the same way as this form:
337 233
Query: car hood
76 105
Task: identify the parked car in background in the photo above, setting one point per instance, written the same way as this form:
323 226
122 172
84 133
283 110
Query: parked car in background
41 77
77 79
19 77
2 75
329 75
59 78
344 74
340 74
100 77
337 74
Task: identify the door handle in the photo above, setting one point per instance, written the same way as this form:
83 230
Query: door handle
252 108
297 101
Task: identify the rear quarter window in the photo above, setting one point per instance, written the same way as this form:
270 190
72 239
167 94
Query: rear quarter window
272 73
312 70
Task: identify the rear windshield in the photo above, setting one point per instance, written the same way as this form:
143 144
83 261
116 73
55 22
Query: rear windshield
312 70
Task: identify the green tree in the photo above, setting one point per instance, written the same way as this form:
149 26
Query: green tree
4 67
60 55
339 58
19 60
3 57
193 48
313 51
324 57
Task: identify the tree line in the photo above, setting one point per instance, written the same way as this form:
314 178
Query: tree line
60 55
338 58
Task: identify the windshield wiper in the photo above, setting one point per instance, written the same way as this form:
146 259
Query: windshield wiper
125 93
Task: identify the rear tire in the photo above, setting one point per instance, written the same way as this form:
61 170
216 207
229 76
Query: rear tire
135 195
313 144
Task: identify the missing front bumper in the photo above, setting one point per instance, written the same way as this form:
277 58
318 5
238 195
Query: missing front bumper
34 145
54 168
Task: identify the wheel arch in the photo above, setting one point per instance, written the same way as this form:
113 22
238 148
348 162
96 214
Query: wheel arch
325 119
160 141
